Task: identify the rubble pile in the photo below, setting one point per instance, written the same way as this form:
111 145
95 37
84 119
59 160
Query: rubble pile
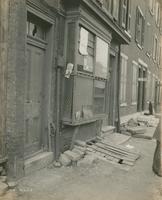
71 157
141 127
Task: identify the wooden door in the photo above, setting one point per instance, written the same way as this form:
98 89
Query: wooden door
33 98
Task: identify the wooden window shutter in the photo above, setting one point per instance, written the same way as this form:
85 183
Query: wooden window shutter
137 25
143 31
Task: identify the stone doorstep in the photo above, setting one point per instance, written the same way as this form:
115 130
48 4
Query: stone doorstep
38 162
107 129
73 156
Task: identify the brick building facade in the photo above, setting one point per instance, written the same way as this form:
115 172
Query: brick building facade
67 69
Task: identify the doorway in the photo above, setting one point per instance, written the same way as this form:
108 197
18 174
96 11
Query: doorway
34 90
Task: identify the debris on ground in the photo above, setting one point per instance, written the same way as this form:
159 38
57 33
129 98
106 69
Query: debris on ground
114 153
150 120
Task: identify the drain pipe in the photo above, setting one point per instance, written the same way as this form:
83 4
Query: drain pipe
57 136
118 91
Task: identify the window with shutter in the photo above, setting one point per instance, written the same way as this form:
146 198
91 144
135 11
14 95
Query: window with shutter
134 82
139 28
155 47
124 13
116 9
151 6
148 32
129 16
123 81
157 17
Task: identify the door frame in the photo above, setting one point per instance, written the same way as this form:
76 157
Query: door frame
50 19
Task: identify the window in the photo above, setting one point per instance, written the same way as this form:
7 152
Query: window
140 25
149 89
89 56
157 16
115 12
107 4
93 64
151 6
134 82
155 48
159 62
101 58
123 80
148 47
153 88
35 27
86 50
124 13
129 16
99 96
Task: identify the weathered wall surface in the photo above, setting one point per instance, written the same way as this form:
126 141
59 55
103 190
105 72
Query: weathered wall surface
15 86
134 52
4 9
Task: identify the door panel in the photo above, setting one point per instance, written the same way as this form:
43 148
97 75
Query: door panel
33 98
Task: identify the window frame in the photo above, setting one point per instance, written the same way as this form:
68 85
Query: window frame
123 79
139 28
152 7
134 82
93 76
155 48
157 14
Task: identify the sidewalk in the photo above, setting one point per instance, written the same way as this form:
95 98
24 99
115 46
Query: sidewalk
95 179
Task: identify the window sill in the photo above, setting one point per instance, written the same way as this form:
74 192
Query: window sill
128 34
151 12
155 61
139 46
134 103
123 104
148 54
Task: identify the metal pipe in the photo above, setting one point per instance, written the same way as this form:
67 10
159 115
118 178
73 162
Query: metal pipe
118 90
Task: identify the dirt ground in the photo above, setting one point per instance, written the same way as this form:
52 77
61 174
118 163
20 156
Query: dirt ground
99 180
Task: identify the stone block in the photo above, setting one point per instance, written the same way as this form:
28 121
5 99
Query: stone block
64 160
80 143
136 130
83 149
81 153
108 129
12 184
72 155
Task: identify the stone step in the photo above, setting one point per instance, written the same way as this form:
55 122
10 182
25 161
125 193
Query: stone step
108 129
73 156
38 162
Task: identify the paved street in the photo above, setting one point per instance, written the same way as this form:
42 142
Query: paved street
99 180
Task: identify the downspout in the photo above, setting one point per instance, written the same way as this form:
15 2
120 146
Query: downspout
57 137
118 91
